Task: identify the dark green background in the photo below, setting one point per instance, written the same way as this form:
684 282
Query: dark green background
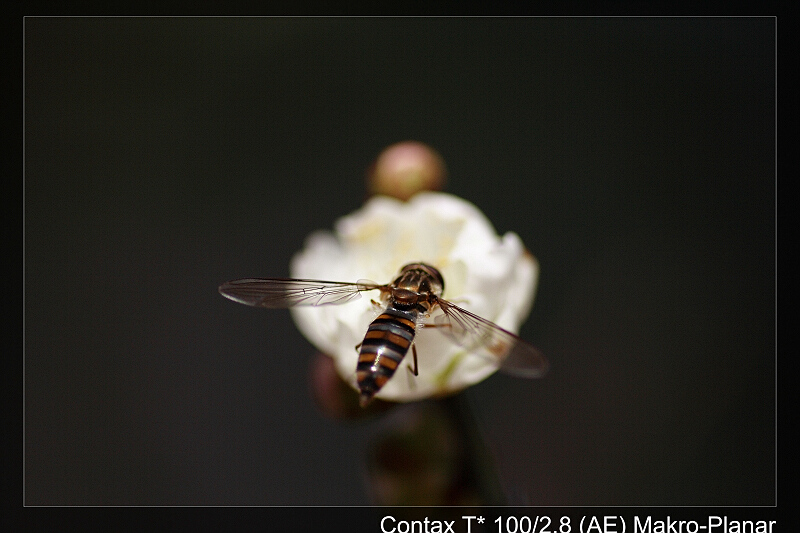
163 156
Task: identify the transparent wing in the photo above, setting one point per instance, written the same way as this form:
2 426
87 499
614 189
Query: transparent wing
477 335
278 293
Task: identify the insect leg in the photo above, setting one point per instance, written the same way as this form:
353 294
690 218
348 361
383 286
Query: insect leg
412 372
415 370
441 325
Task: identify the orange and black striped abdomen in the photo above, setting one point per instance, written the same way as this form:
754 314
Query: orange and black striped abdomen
385 345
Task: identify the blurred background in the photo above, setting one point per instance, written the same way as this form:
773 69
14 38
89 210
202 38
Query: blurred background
163 156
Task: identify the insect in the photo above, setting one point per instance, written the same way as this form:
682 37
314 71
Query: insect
408 301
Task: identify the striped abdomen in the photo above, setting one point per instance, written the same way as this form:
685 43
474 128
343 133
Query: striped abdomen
385 345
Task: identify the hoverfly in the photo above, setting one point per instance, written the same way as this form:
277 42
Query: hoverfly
408 300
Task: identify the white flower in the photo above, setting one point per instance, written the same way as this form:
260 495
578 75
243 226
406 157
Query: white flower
491 276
